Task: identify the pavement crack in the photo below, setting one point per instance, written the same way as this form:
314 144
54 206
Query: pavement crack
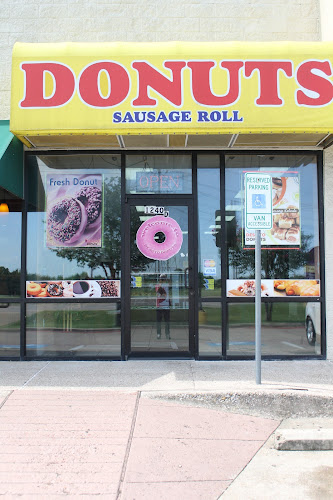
128 447
35 375
5 399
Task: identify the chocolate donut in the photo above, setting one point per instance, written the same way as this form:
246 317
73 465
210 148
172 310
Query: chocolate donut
55 290
67 220
91 198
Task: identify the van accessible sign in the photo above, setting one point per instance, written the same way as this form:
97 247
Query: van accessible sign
258 201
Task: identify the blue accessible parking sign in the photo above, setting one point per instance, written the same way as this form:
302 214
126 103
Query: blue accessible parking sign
258 201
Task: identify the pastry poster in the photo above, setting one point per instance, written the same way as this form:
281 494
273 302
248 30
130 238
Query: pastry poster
69 289
274 288
74 210
286 230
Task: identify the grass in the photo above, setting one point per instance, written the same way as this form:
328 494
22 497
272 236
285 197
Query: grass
80 320
281 313
89 320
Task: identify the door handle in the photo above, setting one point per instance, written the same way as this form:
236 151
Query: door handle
187 277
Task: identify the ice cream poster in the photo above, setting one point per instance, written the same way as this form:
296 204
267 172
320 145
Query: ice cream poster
74 210
286 230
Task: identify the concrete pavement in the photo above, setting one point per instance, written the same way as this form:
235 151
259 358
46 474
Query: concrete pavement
163 429
315 377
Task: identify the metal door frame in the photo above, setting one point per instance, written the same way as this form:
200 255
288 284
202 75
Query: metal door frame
159 199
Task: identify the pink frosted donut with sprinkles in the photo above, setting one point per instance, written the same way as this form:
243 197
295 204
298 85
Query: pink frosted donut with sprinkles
148 246
91 198
67 221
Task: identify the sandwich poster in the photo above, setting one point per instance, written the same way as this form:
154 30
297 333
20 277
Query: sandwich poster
74 210
286 230
274 288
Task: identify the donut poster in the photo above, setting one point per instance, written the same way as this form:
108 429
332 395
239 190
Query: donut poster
286 230
69 289
74 210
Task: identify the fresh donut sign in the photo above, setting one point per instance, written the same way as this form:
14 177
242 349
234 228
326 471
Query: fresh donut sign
172 87
74 210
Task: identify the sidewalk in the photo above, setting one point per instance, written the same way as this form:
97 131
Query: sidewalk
162 430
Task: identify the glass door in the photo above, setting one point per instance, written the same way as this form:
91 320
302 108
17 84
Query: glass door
161 293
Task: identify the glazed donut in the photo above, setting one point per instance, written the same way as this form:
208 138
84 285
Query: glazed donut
55 290
91 198
33 289
148 246
43 293
67 221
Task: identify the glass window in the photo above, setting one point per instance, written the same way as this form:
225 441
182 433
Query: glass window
9 329
209 239
159 174
73 330
291 248
210 324
160 287
74 217
288 329
10 244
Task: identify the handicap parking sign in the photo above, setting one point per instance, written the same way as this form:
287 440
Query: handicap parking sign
258 201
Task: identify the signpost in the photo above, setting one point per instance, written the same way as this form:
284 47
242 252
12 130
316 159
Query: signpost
258 216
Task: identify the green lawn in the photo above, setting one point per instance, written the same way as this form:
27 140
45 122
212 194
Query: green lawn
281 313
80 320
99 319
245 313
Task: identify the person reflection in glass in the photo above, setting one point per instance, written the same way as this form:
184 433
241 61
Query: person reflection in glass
163 306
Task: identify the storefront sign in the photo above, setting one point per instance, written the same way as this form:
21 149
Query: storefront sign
209 271
154 210
209 263
74 208
147 244
126 88
274 288
79 289
136 281
209 284
155 182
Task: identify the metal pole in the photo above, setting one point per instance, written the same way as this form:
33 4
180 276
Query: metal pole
258 305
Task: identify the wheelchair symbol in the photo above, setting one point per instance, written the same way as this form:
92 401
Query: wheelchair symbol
258 201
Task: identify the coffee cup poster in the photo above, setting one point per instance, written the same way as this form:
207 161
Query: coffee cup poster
74 210
286 230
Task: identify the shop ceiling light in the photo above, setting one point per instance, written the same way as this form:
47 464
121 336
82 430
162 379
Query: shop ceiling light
4 207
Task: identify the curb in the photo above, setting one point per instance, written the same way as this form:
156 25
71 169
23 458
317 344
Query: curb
304 440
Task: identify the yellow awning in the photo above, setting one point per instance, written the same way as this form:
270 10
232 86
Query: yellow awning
159 95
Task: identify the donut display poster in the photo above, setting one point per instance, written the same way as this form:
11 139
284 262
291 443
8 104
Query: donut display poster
286 230
69 289
74 210
274 288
